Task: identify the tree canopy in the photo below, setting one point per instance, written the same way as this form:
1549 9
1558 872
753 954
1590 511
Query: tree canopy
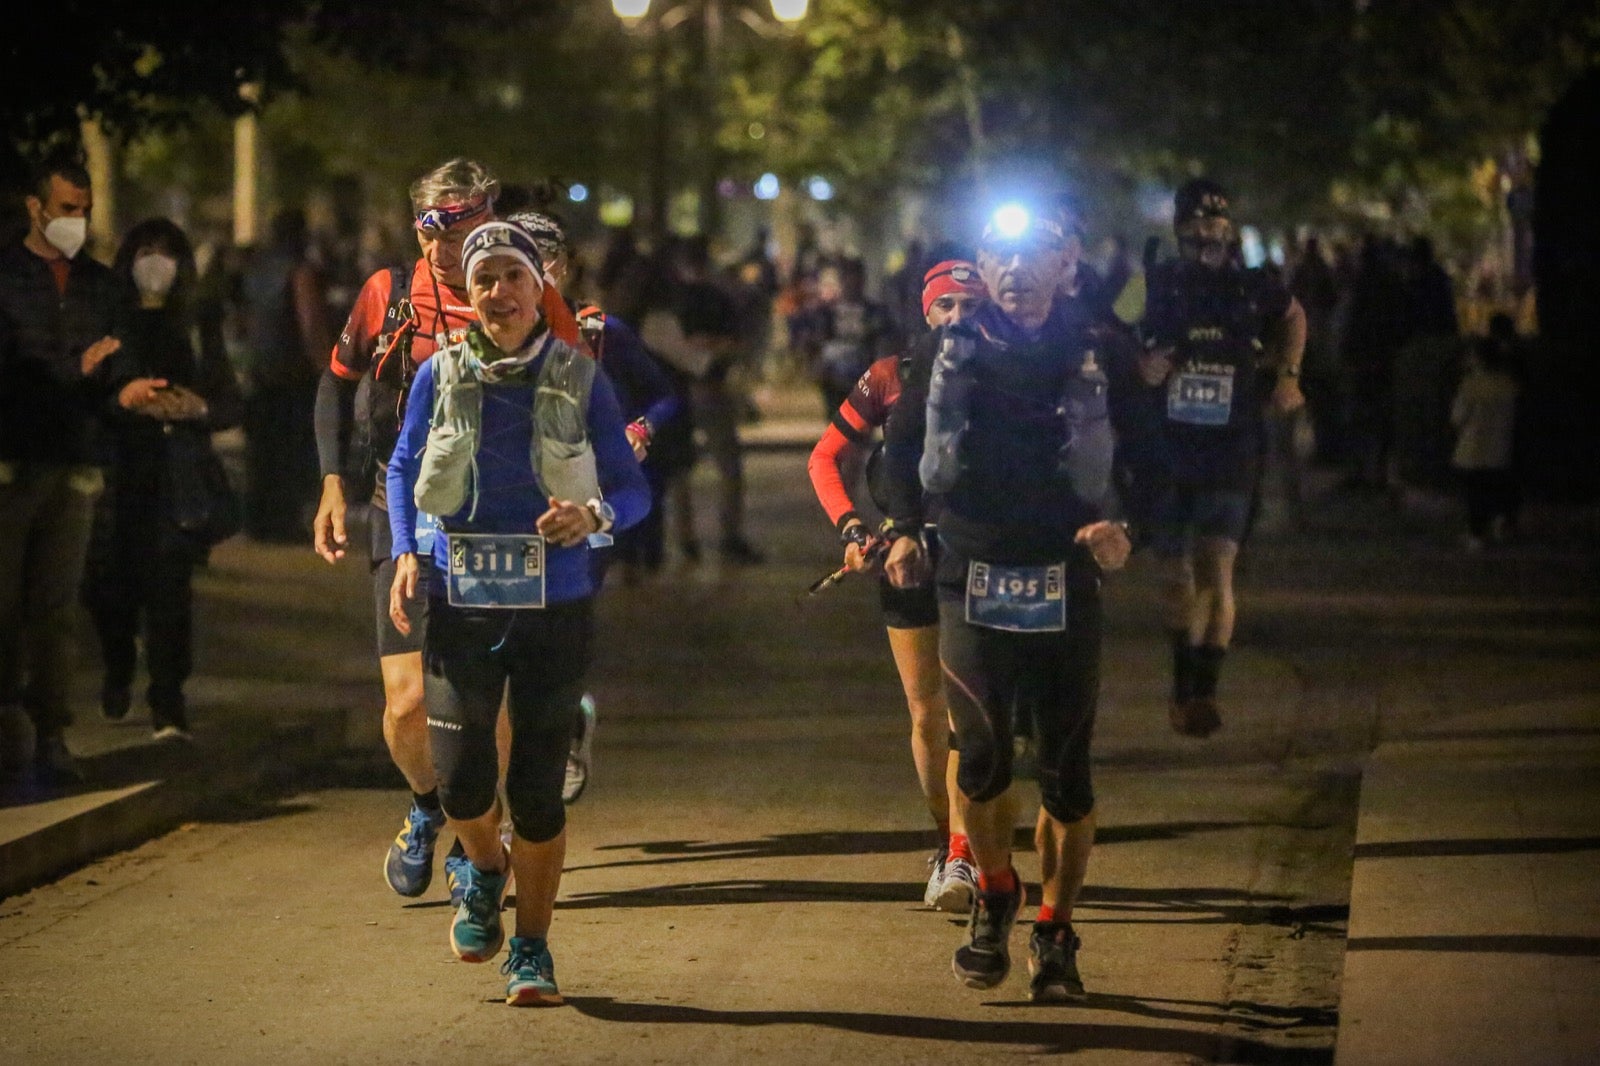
1309 109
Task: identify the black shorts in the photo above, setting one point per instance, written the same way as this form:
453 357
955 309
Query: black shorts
989 673
912 608
390 640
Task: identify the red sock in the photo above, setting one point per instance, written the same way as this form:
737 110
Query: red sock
1047 913
959 848
1002 882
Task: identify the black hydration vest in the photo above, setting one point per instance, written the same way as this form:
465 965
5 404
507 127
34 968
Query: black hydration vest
380 405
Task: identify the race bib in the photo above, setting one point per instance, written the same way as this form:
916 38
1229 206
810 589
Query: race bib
1019 599
495 570
1200 398
427 529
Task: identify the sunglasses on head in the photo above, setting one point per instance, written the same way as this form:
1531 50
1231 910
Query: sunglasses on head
439 219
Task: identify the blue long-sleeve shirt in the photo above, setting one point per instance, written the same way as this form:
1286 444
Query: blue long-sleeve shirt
509 499
643 388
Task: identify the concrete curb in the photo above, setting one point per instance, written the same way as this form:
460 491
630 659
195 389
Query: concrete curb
92 825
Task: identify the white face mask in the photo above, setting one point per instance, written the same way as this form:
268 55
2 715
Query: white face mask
67 235
154 274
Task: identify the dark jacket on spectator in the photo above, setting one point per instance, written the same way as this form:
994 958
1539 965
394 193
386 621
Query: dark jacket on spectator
49 412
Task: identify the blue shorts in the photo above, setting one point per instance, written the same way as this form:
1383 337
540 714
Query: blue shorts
1185 513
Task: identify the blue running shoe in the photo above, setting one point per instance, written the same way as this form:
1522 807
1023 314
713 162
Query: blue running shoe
454 873
409 864
532 974
475 931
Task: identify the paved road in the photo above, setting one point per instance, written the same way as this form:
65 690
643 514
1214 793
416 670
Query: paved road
745 874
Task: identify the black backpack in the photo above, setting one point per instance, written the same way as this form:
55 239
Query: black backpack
380 406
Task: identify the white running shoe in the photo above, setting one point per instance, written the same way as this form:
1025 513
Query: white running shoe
936 876
960 887
580 757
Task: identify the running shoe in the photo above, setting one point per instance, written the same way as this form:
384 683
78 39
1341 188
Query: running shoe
532 974
409 864
1053 964
475 931
960 887
1194 718
454 869
985 959
936 866
580 757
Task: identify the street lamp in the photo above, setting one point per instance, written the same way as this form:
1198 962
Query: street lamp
709 12
631 11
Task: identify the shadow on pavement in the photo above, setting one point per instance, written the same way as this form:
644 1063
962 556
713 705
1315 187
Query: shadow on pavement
1581 947
1188 906
1055 1037
872 842
1417 849
109 770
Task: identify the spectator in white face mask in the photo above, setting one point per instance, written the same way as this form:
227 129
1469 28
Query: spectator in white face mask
61 315
154 523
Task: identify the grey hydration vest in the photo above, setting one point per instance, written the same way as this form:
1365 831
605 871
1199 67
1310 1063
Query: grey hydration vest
559 450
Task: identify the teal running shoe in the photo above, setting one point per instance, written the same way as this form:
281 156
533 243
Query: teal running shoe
475 931
532 974
409 865
454 863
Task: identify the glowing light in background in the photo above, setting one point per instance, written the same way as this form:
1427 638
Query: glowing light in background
789 10
767 187
577 193
1255 253
630 10
819 188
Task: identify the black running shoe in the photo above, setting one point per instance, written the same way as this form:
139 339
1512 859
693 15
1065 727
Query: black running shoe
1053 964
985 959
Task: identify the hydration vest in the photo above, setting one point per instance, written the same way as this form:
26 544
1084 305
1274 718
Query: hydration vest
559 450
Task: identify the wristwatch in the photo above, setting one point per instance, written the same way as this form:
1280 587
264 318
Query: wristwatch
603 513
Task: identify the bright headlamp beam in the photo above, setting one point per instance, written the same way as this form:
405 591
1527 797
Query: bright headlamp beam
1012 221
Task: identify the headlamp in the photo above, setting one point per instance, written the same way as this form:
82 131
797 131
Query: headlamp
441 217
1013 224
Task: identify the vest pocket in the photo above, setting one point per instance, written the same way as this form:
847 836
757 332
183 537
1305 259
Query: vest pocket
446 473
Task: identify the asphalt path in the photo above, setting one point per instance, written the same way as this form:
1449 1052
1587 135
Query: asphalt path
744 875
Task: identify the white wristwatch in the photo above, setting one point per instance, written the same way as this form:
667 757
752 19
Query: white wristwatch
603 514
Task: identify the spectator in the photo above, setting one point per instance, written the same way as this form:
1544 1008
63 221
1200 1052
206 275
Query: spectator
288 340
1484 414
845 333
140 561
61 322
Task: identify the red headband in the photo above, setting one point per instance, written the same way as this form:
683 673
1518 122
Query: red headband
952 275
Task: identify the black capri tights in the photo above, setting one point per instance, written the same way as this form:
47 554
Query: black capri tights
988 672
470 658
